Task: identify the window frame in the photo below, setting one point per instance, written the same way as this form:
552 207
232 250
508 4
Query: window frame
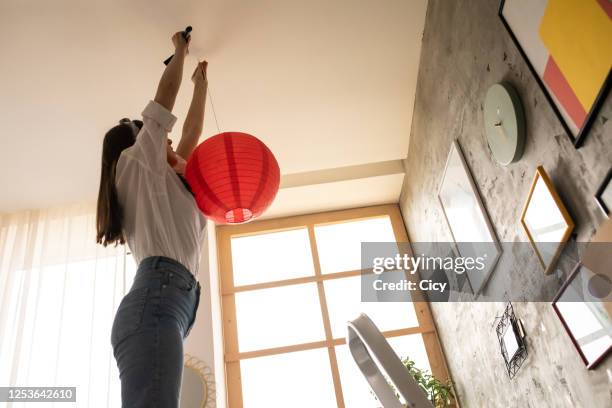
232 356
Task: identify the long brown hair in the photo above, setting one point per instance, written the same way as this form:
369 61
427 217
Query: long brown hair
109 214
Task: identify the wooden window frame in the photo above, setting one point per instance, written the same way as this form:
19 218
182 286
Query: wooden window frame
232 355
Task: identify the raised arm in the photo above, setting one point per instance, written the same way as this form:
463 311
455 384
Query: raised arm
170 81
194 122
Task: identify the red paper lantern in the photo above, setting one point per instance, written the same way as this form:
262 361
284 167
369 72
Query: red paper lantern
234 177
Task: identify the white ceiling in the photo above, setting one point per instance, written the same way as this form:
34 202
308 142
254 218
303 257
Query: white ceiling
325 84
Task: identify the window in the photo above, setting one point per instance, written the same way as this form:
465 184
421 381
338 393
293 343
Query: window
288 287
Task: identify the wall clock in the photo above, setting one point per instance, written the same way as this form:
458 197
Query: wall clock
504 121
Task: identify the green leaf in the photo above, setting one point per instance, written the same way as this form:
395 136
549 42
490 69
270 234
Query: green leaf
438 392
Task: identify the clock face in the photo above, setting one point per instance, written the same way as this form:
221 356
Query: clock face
504 123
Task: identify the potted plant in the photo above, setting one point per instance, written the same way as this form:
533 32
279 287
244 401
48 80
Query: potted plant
439 393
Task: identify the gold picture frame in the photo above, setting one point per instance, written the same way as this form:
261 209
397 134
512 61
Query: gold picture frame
546 221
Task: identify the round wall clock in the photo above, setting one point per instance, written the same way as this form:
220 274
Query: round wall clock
504 123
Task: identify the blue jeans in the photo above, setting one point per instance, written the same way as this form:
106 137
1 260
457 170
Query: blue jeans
151 322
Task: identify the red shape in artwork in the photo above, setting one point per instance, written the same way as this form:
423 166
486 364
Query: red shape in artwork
607 6
553 77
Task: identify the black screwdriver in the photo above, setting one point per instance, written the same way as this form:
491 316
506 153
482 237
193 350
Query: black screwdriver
185 36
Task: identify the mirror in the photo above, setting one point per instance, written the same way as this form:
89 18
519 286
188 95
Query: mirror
198 386
584 306
511 338
467 219
546 221
375 358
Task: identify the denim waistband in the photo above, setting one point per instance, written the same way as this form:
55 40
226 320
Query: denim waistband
163 262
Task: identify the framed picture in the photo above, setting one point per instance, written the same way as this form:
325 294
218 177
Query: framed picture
470 227
603 196
546 221
586 314
566 44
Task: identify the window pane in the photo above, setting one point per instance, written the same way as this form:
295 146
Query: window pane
356 389
271 257
298 380
278 317
339 245
413 347
344 303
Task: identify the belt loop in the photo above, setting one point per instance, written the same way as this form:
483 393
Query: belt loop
155 262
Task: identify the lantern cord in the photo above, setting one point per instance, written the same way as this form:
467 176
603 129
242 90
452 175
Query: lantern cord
213 107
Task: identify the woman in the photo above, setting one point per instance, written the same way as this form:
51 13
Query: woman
144 200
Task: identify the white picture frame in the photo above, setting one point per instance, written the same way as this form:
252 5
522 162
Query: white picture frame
467 219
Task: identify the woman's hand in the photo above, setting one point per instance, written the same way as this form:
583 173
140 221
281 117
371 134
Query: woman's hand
180 44
199 76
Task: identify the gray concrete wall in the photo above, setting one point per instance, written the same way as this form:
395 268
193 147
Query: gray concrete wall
465 50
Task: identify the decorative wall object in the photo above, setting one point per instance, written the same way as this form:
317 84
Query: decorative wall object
603 196
546 221
467 219
586 314
511 338
198 386
566 44
504 121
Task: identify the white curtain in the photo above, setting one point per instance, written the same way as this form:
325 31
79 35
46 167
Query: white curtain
59 291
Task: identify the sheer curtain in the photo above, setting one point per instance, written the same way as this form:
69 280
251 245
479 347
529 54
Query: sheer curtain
59 291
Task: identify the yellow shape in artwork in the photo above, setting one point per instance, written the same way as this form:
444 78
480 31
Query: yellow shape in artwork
578 35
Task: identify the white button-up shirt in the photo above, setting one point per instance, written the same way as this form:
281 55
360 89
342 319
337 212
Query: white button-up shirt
160 217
